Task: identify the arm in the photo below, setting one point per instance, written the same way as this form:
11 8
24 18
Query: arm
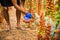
18 7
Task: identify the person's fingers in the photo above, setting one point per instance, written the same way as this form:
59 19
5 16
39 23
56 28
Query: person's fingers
27 21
